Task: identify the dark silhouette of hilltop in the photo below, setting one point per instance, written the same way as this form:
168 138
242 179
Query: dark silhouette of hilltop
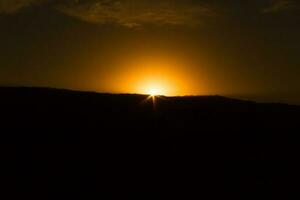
81 145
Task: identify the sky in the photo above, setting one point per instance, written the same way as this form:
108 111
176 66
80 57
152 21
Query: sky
247 49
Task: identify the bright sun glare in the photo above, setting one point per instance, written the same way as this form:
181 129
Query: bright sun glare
153 92
155 89
153 77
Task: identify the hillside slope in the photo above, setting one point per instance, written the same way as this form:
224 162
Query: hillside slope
85 145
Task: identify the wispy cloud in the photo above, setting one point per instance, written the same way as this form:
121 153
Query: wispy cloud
13 6
128 13
133 13
280 6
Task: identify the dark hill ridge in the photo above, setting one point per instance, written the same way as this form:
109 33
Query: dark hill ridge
84 145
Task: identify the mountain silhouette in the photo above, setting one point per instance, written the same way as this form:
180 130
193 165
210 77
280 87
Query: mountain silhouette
84 145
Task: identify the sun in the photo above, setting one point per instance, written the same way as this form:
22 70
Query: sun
153 92
152 74
155 88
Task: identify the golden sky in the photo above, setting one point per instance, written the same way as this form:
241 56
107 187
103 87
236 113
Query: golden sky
177 47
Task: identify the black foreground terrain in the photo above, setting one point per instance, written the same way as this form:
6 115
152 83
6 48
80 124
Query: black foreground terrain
59 144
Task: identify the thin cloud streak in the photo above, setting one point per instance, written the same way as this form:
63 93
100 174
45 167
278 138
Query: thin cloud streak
14 6
277 6
134 13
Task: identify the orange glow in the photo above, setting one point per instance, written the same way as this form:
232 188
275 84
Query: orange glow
154 90
153 76
154 86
